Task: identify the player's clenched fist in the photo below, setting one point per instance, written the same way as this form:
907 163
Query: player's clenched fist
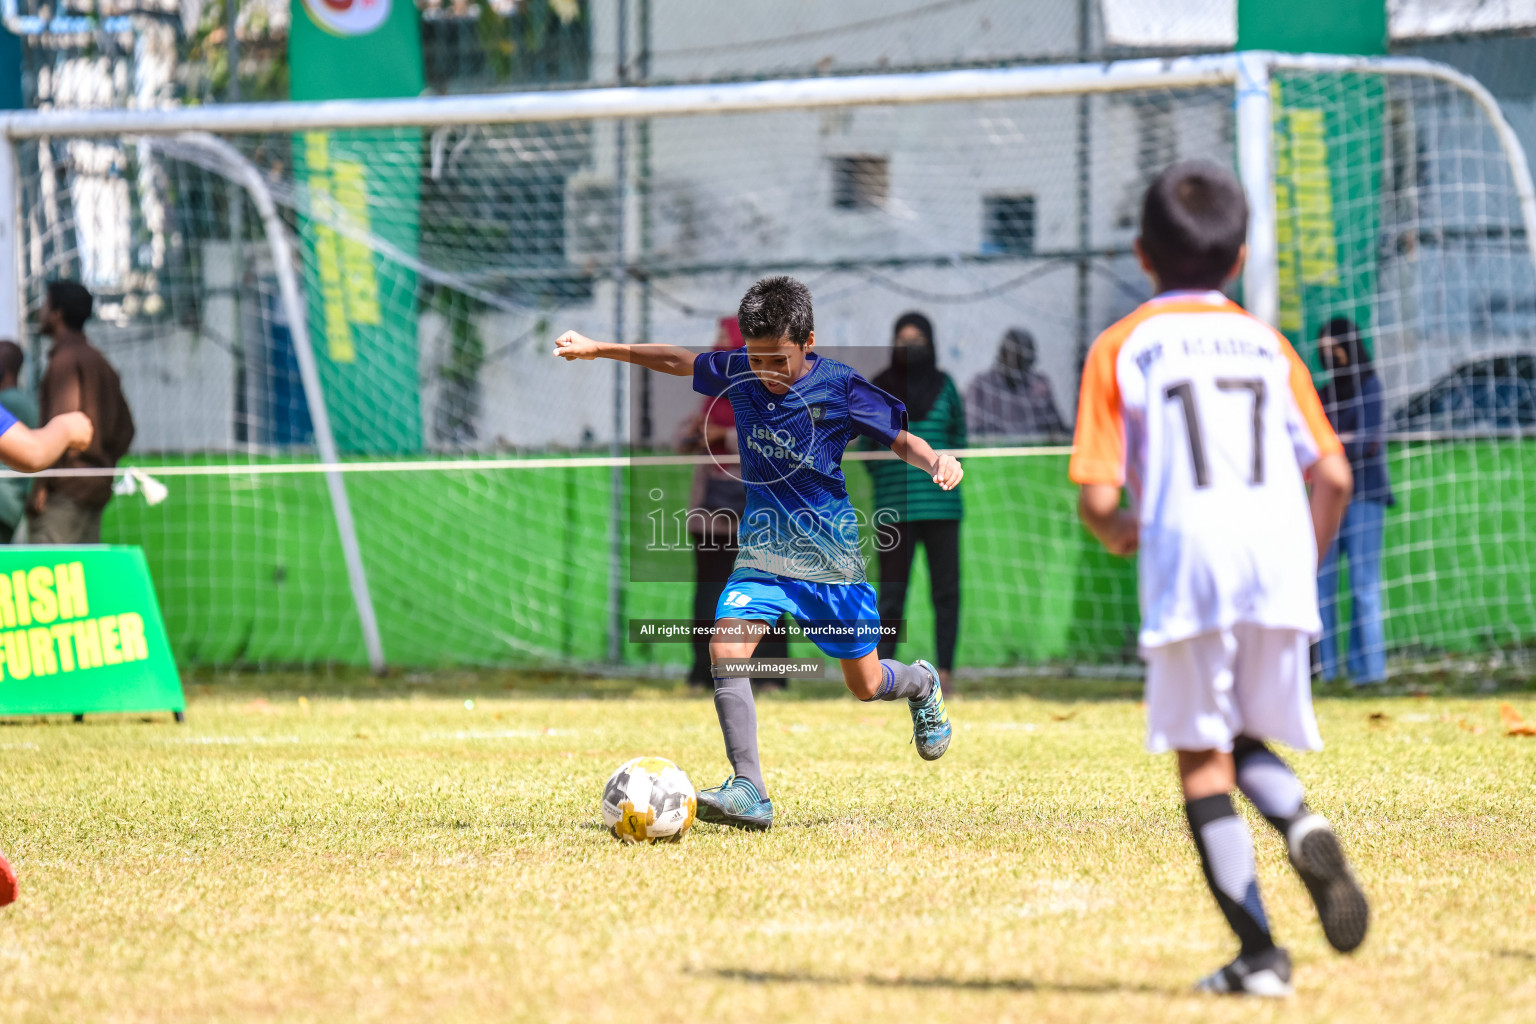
571 345
947 472
77 428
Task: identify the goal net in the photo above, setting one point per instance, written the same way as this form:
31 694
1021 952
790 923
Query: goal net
406 472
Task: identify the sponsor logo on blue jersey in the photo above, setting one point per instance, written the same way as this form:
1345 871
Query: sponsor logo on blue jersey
798 521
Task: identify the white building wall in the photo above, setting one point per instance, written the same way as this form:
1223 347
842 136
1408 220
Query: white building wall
179 386
180 382
706 39
756 191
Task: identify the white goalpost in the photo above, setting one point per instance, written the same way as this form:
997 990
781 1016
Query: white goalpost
361 291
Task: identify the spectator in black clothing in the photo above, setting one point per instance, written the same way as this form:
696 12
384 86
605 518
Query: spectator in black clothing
916 510
1352 399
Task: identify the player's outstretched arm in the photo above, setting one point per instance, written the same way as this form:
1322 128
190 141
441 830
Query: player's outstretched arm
1333 482
1098 506
30 451
914 451
662 358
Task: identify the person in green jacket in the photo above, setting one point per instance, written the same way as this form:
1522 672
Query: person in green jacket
13 492
916 509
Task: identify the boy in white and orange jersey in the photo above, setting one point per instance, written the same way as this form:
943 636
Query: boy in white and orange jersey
1209 417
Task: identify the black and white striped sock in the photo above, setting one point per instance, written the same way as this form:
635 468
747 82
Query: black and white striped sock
1269 784
1226 854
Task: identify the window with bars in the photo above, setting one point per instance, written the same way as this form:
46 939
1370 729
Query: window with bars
1009 225
860 182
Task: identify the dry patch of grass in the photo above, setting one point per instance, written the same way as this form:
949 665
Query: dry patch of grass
379 854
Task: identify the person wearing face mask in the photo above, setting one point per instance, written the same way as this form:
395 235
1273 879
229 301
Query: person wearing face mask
1353 401
1012 399
913 509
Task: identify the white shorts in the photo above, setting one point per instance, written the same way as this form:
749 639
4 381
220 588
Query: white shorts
1245 681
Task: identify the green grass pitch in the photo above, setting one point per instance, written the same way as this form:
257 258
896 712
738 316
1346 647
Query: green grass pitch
382 852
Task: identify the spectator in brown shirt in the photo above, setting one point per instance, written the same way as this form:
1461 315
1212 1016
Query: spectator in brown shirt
67 510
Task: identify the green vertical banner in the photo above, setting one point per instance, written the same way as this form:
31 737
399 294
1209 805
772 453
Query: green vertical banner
363 186
1328 155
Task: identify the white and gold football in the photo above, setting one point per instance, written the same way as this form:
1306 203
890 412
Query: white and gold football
649 800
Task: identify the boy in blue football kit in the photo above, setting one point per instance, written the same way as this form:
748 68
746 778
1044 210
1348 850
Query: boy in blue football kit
796 412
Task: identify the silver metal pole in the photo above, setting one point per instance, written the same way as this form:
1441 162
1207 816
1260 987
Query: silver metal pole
11 302
644 416
1084 170
250 375
218 155
1255 160
232 49
616 445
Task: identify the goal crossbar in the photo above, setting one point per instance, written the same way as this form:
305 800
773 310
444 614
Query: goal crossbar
637 101
719 98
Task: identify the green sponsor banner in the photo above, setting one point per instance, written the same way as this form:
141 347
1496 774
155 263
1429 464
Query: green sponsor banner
1328 147
80 631
362 185
1328 155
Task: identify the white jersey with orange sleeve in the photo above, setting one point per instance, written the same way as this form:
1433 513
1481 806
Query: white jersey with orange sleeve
1210 418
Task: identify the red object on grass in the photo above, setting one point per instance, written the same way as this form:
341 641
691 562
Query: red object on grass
7 882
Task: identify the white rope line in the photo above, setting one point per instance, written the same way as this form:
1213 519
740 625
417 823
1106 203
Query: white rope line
609 461
477 465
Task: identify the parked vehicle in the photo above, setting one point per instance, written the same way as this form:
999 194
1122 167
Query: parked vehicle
1491 393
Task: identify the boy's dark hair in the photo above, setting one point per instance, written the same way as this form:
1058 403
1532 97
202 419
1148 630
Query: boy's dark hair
1194 221
72 300
11 358
777 307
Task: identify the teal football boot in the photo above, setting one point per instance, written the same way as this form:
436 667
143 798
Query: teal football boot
736 802
930 720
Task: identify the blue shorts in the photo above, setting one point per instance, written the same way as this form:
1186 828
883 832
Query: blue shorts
839 618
